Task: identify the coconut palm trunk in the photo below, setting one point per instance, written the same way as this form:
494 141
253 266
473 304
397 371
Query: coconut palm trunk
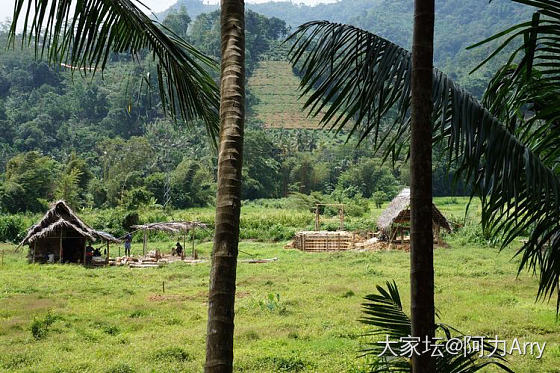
421 239
221 298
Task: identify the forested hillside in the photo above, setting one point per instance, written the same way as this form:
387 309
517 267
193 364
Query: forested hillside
103 141
459 24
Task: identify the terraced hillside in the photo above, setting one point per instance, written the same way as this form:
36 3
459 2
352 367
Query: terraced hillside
276 87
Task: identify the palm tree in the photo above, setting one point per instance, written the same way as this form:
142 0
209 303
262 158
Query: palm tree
421 232
221 297
509 155
83 35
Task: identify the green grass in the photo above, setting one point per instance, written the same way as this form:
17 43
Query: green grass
297 314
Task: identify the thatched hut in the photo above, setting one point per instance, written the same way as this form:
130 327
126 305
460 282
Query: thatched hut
395 220
62 234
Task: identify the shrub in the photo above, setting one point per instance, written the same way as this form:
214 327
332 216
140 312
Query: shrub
272 304
172 354
12 228
40 327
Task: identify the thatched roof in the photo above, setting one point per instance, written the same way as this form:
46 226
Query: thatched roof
59 216
171 227
399 210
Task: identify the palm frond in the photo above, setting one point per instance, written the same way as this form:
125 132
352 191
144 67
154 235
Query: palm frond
359 78
384 312
83 34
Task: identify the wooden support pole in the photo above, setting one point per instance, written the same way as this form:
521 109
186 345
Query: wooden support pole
60 251
85 253
184 246
144 244
317 217
34 252
108 255
341 213
193 248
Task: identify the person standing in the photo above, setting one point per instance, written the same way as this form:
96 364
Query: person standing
127 244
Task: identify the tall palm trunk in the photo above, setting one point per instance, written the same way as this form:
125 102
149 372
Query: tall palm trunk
221 298
421 251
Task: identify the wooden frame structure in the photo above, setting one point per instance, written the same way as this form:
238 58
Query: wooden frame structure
340 213
180 227
324 241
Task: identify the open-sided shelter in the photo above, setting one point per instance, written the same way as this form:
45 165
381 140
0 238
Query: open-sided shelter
395 219
174 227
64 235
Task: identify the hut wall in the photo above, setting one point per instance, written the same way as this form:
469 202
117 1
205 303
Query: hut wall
72 244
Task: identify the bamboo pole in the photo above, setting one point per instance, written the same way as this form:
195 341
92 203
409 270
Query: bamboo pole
193 249
144 245
184 245
85 253
108 255
341 213
60 251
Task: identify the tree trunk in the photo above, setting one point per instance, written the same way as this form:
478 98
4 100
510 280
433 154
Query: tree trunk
421 238
221 298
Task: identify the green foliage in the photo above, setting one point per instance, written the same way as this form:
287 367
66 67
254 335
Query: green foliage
40 326
12 228
379 197
281 364
384 312
178 20
134 198
68 187
272 304
172 354
29 180
369 175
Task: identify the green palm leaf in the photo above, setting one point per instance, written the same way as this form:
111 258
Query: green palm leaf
84 33
359 79
383 311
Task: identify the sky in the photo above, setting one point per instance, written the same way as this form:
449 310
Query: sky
6 10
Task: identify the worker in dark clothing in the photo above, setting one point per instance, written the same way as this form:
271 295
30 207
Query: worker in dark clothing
127 244
179 249
89 253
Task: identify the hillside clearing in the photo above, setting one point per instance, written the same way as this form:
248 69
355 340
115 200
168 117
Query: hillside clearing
279 106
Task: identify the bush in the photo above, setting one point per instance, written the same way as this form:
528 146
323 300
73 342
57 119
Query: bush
172 354
472 233
40 327
12 228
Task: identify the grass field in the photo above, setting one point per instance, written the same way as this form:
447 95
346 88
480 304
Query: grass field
297 314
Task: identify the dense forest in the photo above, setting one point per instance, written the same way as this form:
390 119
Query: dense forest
104 141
